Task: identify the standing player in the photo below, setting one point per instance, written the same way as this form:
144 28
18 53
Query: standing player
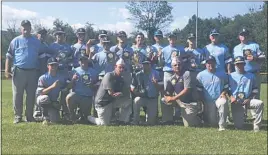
219 51
80 47
25 73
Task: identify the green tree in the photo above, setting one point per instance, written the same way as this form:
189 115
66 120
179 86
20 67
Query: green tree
150 16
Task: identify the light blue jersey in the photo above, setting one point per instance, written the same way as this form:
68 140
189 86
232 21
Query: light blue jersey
221 54
199 57
167 54
212 84
126 54
84 78
102 64
47 80
78 50
251 66
24 51
68 54
245 83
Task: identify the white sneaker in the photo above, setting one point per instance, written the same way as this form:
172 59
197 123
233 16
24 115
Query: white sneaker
256 129
221 128
91 119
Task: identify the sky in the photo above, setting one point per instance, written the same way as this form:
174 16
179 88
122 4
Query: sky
112 15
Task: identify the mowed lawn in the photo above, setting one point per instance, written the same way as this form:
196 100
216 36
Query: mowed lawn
34 138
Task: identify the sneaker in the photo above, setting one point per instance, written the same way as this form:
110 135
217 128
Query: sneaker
256 129
91 119
221 128
46 122
17 120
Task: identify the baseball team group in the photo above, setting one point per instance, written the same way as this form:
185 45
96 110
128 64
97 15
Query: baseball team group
97 83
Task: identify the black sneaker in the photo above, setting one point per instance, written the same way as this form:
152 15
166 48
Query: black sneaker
17 120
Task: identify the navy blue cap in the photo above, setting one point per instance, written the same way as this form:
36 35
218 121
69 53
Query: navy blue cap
158 33
81 30
210 57
244 31
239 59
52 61
103 32
25 22
59 30
121 33
41 30
191 35
172 35
214 32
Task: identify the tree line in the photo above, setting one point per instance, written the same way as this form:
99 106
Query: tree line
145 15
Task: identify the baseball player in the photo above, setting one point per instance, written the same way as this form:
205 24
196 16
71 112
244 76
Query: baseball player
157 48
44 53
85 77
145 87
49 87
254 57
80 47
108 97
25 71
105 60
92 47
213 87
180 91
219 51
194 55
64 53
243 88
169 52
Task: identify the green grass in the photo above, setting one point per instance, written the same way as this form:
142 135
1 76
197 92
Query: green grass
34 138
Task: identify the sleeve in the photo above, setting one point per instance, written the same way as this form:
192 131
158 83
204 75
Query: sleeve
199 84
188 80
227 56
169 88
10 51
107 81
95 76
112 49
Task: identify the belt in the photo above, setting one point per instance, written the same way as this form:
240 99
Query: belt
26 69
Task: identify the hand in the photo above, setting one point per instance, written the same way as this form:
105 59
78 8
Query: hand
56 84
7 74
246 101
159 53
75 77
90 42
154 80
233 99
118 94
250 57
168 99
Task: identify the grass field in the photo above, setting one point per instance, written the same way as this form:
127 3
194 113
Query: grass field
34 138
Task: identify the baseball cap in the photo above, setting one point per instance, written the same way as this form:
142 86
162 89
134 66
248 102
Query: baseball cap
146 62
121 33
59 30
25 22
158 33
210 57
41 30
81 30
51 61
214 32
120 62
244 31
172 35
239 59
191 35
103 33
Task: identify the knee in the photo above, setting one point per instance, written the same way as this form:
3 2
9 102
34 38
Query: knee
43 100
